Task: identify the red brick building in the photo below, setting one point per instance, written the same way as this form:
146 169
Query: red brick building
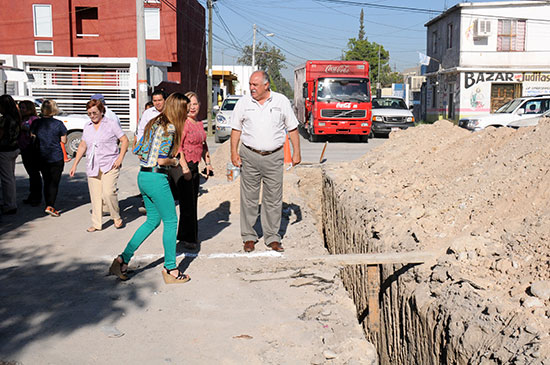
175 33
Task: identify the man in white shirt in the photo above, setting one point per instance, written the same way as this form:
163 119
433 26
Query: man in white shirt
260 121
158 98
109 114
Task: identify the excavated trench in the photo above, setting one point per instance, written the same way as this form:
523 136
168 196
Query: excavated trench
475 303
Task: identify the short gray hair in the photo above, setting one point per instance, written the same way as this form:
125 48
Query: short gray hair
264 74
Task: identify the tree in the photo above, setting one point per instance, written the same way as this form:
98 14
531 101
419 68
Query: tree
361 35
270 60
360 49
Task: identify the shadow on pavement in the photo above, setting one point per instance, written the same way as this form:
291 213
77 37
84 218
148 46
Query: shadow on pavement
73 192
41 300
214 221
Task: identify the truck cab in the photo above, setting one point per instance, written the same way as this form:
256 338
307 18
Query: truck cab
335 98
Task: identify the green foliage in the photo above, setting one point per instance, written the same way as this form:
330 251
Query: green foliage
270 60
360 49
361 35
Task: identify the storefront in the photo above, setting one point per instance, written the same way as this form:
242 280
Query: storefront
462 93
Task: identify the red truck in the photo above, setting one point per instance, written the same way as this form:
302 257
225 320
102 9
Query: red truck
333 97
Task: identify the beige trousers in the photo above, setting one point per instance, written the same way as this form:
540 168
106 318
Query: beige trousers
103 189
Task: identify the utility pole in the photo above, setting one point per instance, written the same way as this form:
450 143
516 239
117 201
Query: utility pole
222 81
142 58
254 48
378 85
209 79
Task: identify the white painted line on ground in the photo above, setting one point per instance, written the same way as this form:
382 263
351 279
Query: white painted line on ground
232 255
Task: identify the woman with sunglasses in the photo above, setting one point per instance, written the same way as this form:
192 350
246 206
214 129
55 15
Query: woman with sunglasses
100 139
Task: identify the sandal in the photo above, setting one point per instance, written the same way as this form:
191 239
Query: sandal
119 224
169 279
51 211
92 229
116 269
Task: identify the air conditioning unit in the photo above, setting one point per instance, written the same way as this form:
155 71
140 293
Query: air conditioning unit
482 28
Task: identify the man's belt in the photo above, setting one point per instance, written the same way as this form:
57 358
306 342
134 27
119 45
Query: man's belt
263 153
160 170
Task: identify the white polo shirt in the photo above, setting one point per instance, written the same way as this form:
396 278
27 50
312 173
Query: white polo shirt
145 118
263 127
111 115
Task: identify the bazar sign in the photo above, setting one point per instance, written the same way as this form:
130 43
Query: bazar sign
472 78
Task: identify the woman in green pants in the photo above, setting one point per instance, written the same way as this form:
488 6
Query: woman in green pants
161 140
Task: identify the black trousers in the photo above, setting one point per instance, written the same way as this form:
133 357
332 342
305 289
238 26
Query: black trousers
51 173
31 162
188 195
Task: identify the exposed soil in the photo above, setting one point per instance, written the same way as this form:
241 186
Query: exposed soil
481 201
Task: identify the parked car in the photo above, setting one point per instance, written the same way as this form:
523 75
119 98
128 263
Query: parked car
513 111
390 113
73 122
529 122
223 129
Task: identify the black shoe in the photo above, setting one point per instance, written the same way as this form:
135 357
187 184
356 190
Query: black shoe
31 202
190 246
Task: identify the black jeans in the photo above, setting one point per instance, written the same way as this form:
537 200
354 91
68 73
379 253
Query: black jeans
51 173
31 161
188 194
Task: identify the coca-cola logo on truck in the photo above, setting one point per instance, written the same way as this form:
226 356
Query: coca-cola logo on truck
337 69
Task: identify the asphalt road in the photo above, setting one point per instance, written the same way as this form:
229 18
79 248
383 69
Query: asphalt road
339 148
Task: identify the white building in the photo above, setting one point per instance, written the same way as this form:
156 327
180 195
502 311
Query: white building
484 54
240 74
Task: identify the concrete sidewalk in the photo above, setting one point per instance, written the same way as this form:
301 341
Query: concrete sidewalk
60 307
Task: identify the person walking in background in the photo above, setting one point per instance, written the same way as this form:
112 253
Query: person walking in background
158 98
108 112
161 140
99 142
259 122
49 133
28 153
187 177
10 127
148 105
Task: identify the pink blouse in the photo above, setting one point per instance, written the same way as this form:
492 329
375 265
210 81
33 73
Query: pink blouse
194 141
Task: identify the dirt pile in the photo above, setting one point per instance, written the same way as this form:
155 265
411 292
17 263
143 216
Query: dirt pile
481 200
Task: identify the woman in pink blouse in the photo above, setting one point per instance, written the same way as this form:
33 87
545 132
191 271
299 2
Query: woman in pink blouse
100 139
193 148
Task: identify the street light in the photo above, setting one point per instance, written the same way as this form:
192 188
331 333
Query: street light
254 45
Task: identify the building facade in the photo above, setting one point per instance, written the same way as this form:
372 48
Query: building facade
485 54
76 48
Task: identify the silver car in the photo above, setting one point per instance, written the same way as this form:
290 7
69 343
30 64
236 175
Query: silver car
223 118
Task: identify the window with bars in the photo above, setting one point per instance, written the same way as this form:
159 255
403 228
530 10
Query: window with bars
511 35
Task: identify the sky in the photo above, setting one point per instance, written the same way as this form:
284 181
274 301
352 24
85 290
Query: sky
320 29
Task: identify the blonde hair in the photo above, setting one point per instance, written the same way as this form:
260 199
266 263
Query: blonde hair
190 94
49 108
174 112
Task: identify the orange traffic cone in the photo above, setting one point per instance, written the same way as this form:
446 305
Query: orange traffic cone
288 156
65 157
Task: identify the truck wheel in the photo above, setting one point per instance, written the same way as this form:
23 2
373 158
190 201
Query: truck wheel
364 138
313 137
73 140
